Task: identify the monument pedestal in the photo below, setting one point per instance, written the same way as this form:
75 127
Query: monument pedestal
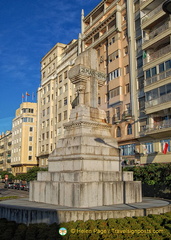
85 168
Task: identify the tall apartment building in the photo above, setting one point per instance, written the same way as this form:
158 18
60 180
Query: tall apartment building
109 29
156 26
55 97
5 151
24 130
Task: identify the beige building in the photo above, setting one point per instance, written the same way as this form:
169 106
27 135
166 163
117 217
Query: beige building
109 29
55 97
24 129
156 26
5 151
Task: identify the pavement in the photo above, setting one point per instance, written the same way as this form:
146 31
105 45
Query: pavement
24 203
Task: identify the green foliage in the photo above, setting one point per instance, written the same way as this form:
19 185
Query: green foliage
150 227
31 174
152 174
8 197
10 175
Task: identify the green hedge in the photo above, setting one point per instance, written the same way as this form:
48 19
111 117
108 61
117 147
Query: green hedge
156 227
152 174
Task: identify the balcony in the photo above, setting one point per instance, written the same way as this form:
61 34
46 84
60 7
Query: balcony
159 30
158 126
157 101
127 115
157 77
157 54
1 162
152 13
8 160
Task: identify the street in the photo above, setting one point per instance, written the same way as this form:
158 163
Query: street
4 192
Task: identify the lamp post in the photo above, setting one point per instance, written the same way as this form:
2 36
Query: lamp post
167 6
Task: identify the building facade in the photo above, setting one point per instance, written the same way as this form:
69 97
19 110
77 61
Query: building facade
5 151
24 130
55 96
156 132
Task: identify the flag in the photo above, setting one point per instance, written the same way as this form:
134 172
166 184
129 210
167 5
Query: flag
165 147
144 54
22 95
27 94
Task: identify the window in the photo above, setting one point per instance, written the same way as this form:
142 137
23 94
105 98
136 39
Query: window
118 132
126 50
65 101
47 135
30 138
114 56
148 148
27 119
129 129
127 150
60 78
48 110
114 92
65 115
60 104
115 74
126 69
117 111
168 64
60 91
59 117
99 100
44 74
127 88
31 129
65 87
27 110
29 157
30 148
65 74
43 136
111 41
43 113
48 98
48 87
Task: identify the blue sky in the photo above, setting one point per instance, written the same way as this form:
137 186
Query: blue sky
28 30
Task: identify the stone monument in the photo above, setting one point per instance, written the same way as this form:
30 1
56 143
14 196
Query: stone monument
84 169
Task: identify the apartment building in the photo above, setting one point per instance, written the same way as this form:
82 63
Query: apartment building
155 133
109 29
24 132
5 151
55 96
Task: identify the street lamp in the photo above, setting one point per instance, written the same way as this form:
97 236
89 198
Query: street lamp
167 6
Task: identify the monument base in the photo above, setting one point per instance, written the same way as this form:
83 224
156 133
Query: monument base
85 189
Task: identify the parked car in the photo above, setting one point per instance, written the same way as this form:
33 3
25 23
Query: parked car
27 187
22 186
16 186
8 185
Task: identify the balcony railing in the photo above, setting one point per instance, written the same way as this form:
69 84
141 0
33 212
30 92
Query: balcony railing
157 54
162 99
156 32
152 13
158 126
127 114
157 77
